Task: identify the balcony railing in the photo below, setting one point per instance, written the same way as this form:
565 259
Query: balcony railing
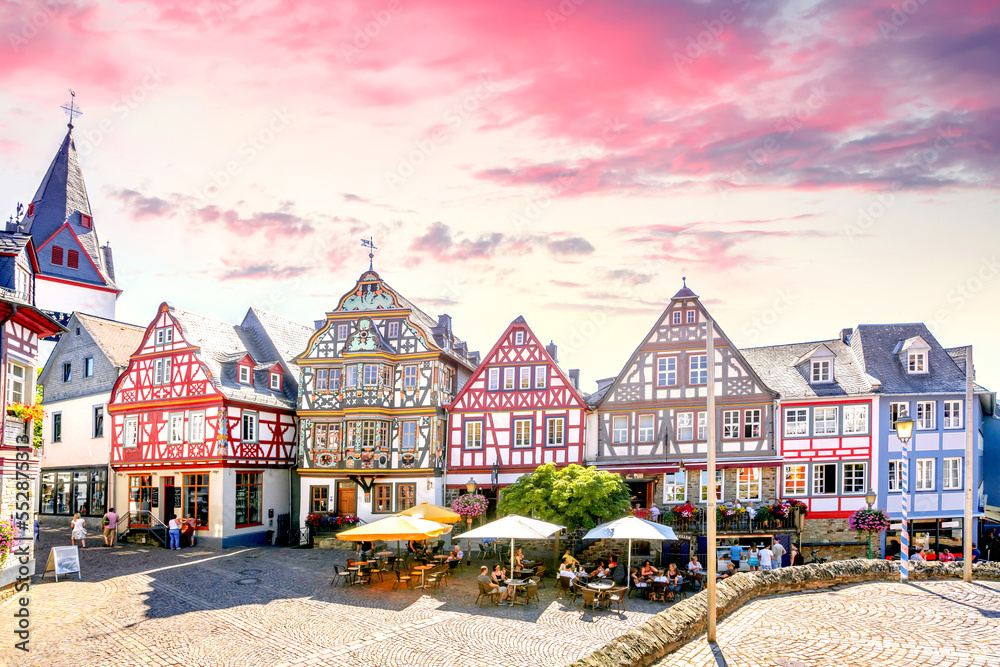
737 523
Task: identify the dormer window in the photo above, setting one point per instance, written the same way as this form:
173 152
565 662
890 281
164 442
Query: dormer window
917 362
518 338
821 370
676 317
164 336
244 375
691 317
276 381
86 221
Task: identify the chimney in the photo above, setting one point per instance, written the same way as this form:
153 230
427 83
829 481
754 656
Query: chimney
318 324
845 336
553 350
444 321
109 262
574 377
601 384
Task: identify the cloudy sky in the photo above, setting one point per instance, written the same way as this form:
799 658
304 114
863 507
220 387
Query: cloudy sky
808 166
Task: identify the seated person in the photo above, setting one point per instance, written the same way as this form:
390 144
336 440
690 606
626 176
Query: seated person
674 581
566 567
600 572
499 575
696 570
456 553
918 554
648 571
519 560
730 571
485 579
946 556
639 583
580 573
568 558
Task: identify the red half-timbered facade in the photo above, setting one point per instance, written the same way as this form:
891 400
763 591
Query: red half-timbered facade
204 422
518 411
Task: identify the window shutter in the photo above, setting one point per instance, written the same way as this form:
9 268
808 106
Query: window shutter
57 255
86 221
73 259
31 209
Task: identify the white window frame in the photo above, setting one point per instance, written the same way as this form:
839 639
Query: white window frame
827 425
923 479
493 379
675 487
676 317
555 431
925 415
518 338
647 431
249 431
523 430
410 376
797 427
916 362
342 332
895 408
473 435
275 381
951 468
821 371
175 428
351 376
698 365
509 383
691 317
196 427
685 426
619 429
823 467
393 329
752 419
161 371
719 485
164 336
893 477
952 414
524 378
244 374
666 371
800 484
855 419
13 380
702 426
541 377
130 432
745 488
853 478
730 424
370 375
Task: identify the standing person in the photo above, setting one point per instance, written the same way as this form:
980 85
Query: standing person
778 552
654 513
753 557
38 529
736 553
766 558
175 532
797 558
187 531
975 553
79 531
110 523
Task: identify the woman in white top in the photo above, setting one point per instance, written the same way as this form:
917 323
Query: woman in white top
175 532
79 531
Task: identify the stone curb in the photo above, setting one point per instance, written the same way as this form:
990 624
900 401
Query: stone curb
685 620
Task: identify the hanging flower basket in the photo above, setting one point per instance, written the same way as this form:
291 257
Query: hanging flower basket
25 412
8 540
470 505
871 521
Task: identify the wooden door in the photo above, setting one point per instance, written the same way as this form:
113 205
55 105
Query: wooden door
347 498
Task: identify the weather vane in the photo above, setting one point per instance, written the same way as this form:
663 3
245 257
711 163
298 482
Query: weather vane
71 109
370 244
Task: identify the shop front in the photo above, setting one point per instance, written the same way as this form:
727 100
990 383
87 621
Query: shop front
934 535
65 492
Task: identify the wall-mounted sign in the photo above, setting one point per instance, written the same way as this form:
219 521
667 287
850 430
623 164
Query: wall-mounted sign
155 502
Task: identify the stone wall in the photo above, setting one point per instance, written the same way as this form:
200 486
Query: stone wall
686 620
832 530
730 477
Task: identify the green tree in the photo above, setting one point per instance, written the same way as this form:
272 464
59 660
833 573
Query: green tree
573 496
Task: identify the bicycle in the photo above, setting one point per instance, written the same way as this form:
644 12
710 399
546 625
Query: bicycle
815 558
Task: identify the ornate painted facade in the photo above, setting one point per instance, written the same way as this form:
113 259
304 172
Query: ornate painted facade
376 376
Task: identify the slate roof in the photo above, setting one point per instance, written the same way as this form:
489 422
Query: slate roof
117 340
775 364
13 244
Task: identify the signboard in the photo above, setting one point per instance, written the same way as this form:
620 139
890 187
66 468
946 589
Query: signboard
63 560
13 429
177 496
156 496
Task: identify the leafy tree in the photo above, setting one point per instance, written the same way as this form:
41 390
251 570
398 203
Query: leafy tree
573 496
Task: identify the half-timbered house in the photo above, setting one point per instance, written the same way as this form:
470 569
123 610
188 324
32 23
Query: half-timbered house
376 377
518 411
204 423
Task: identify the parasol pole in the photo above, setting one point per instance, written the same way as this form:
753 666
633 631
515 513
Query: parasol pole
628 572
512 558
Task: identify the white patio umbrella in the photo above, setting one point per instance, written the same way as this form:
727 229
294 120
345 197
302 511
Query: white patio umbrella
631 528
513 527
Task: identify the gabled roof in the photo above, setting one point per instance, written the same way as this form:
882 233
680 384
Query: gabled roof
13 243
782 368
117 340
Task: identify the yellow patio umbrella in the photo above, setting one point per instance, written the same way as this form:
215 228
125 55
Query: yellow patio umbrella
432 513
395 527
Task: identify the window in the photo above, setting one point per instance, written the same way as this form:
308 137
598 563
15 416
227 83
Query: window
916 362
334 379
88 367
494 379
518 338
249 433
925 415
371 374
352 376
702 426
473 435
98 421
17 388
685 426
196 498
952 414
855 478
647 425
825 421
322 379
704 485
320 498
666 371
164 336
951 475
794 481
824 479
619 429
692 317
72 259
86 221
751 423
196 427
698 371
676 317
541 376
161 371
176 429
674 487
556 431
925 475
525 377
522 433
508 378
382 499
130 433
57 255
393 329
244 375
821 370
67 372
406 496
897 410
855 419
748 484
341 332
56 427
22 284
248 494
731 424
893 481
409 376
276 381
796 422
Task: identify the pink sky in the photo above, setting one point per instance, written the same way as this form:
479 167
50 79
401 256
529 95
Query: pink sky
807 165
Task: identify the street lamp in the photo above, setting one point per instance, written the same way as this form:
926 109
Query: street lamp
470 486
870 498
904 431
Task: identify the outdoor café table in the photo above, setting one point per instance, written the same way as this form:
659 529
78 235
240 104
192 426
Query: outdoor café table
441 557
516 583
423 569
362 565
527 572
382 556
601 589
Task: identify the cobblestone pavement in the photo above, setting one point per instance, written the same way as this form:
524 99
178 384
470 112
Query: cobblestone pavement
276 607
940 623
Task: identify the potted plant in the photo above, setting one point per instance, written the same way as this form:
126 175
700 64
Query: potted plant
8 540
25 412
870 521
470 505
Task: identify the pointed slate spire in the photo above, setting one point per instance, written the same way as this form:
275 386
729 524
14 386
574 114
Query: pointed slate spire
61 194
685 292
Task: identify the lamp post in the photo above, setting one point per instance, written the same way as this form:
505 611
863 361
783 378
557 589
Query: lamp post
470 487
904 430
870 498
